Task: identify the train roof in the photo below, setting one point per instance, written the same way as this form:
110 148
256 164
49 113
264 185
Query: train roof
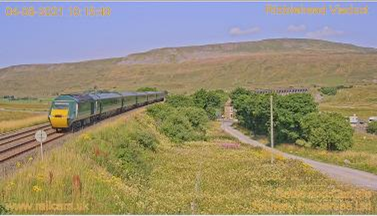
107 95
128 93
104 95
76 97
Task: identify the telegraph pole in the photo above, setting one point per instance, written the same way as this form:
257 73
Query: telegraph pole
272 129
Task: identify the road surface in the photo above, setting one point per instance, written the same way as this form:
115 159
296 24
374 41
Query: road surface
343 174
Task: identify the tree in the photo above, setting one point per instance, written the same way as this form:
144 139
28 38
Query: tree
372 127
327 131
211 101
289 112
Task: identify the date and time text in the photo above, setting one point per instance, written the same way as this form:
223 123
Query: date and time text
54 11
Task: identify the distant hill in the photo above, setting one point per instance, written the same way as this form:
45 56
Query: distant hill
182 54
261 64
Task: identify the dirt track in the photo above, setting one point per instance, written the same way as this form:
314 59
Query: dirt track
342 174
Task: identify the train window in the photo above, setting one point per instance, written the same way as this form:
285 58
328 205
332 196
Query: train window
61 106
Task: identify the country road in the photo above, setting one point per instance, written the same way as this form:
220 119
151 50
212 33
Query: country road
342 174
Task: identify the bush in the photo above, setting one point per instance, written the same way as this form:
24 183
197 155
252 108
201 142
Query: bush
327 131
4 210
178 128
146 89
145 139
328 90
160 111
197 117
180 124
211 101
372 127
180 101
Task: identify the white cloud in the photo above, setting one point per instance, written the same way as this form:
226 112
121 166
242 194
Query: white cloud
236 31
296 28
324 32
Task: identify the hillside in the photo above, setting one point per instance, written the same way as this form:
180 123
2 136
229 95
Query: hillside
267 63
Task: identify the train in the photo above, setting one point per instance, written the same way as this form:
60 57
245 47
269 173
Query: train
70 112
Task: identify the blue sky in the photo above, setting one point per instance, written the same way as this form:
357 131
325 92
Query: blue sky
136 27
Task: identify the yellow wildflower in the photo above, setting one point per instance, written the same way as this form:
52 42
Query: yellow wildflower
86 136
18 164
37 189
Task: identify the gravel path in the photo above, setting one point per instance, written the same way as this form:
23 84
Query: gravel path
343 174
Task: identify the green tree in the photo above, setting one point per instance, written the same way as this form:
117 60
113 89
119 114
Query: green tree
327 131
372 127
211 101
289 111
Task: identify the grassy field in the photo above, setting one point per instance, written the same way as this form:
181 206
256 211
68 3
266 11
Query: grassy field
218 176
18 114
11 120
360 100
362 156
266 64
25 105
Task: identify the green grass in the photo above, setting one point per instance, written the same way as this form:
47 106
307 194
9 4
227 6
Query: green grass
193 178
362 156
360 100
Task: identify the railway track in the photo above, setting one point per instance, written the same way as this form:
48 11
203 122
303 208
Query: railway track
17 143
13 144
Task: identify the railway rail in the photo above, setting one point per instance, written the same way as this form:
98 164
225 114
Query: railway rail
17 143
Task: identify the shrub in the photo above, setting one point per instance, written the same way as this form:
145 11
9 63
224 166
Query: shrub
197 117
211 101
146 89
145 139
4 210
160 111
327 131
178 128
372 127
180 124
328 90
180 101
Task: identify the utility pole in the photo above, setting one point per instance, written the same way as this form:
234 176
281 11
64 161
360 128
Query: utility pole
272 129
